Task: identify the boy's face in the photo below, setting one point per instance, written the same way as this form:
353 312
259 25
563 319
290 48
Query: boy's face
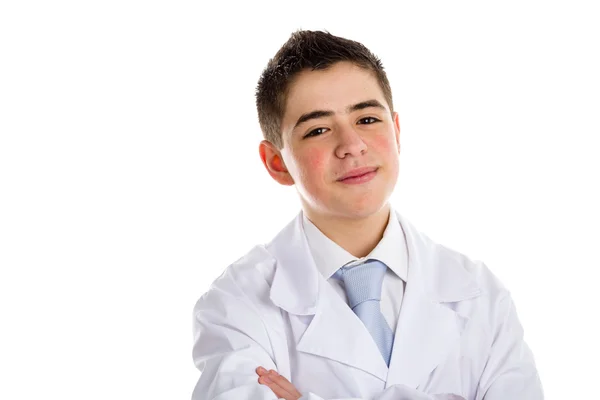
325 138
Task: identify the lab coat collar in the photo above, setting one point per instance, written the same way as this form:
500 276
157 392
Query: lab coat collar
295 286
427 328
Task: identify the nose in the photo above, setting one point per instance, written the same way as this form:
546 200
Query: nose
350 142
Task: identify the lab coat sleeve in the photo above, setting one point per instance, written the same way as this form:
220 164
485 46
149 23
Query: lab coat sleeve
510 371
230 342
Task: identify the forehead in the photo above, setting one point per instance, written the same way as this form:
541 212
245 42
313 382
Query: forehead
334 88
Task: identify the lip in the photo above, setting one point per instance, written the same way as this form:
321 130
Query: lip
358 174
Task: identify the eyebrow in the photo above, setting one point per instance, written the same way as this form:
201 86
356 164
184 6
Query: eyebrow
327 113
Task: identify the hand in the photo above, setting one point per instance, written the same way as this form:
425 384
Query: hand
282 388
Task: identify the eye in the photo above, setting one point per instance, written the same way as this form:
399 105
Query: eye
370 120
315 132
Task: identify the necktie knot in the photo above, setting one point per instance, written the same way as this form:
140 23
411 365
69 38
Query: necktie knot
363 282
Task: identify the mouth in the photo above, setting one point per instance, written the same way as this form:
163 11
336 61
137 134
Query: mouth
359 176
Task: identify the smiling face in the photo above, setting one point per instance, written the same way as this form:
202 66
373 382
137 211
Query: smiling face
337 120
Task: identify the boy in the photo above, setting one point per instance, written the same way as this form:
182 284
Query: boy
349 300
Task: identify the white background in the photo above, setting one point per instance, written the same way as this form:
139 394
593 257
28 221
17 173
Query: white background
130 175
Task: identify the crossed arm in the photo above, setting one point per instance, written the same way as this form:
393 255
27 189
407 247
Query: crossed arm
230 347
283 389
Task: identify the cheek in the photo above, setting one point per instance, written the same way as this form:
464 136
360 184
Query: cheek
385 144
313 161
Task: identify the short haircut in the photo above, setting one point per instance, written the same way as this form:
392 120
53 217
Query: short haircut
314 50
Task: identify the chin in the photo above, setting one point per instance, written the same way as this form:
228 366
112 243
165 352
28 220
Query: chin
360 210
348 205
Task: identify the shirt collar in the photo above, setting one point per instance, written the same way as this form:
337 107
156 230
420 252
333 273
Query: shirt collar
329 256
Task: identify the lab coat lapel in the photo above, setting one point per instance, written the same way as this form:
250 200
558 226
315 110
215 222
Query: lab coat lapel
428 329
338 334
334 331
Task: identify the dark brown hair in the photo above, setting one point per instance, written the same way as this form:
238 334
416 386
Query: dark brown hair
315 50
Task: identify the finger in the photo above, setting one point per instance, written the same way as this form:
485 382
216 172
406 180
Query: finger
283 382
278 390
280 381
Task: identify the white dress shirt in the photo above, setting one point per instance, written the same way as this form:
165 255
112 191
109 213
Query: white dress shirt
391 250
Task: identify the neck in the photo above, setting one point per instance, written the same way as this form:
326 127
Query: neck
357 236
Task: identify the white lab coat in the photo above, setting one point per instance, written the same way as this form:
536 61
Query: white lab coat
457 335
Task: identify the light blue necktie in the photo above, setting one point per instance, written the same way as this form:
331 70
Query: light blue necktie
363 287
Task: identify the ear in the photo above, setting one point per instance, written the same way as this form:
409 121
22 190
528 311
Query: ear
273 161
396 119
